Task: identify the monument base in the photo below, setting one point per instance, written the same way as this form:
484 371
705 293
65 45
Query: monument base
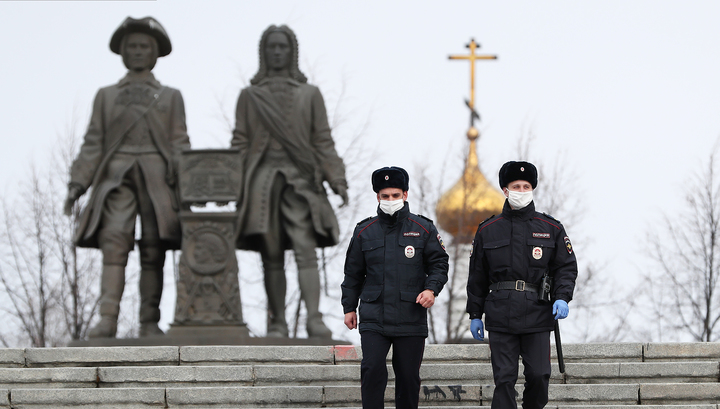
207 335
208 331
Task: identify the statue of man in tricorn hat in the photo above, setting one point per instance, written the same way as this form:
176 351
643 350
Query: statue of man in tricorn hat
287 152
129 158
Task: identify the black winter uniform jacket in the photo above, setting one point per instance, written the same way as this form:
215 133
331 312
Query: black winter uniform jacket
519 245
390 261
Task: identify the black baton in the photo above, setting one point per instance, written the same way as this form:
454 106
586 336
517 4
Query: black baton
558 345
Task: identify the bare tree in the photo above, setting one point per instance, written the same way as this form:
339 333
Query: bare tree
50 284
25 274
686 258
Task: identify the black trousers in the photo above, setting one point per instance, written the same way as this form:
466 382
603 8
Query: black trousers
406 360
505 350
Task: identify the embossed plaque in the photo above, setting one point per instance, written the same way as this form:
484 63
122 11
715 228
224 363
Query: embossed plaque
209 175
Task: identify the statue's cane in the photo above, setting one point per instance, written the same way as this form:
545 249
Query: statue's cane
558 345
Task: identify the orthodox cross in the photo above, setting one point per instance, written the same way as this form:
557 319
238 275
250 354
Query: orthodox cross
472 57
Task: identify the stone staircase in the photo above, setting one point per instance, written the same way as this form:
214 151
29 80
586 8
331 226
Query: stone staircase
601 376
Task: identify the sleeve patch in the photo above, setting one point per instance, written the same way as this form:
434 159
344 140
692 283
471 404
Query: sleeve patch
440 240
568 245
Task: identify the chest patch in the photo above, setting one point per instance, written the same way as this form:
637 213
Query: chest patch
409 251
411 234
537 253
541 235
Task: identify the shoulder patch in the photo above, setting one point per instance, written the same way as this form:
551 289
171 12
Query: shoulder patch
426 218
483 222
551 218
364 220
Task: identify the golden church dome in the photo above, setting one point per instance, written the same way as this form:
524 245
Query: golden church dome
470 201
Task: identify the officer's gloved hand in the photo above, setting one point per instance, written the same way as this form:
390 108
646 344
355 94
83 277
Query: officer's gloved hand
476 329
560 309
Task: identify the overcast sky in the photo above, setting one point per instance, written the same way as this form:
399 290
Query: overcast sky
629 90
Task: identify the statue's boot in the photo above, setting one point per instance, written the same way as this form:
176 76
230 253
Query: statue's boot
152 259
277 330
150 329
275 287
112 284
309 281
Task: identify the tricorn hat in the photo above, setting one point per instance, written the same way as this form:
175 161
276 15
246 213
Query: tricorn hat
512 171
147 25
391 176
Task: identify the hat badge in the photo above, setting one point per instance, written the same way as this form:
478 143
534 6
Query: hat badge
522 169
387 177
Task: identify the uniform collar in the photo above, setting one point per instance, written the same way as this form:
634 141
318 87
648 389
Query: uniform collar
149 80
399 215
524 213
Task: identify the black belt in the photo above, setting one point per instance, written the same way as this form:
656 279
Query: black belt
518 285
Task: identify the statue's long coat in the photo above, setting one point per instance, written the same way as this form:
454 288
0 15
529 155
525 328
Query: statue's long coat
303 122
109 123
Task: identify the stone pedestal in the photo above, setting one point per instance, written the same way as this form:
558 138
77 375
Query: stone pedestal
208 293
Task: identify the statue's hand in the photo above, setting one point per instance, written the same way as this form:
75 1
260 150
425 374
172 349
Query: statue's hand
68 206
342 192
340 188
74 192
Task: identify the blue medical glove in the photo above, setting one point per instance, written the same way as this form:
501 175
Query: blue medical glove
560 309
476 329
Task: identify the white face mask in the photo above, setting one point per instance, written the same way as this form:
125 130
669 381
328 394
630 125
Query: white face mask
519 200
391 206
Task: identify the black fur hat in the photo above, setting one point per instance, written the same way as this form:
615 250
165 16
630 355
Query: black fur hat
512 171
147 25
391 176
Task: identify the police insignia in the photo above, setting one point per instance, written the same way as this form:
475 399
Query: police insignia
537 253
409 251
411 234
441 242
541 235
568 245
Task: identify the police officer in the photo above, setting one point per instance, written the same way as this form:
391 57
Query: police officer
511 254
395 266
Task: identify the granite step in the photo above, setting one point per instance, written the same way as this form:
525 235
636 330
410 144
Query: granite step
328 375
591 395
335 355
607 376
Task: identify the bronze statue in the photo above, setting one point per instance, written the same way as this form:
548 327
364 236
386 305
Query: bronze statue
129 157
287 151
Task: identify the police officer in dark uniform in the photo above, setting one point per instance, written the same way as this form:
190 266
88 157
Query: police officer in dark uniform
511 256
395 266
